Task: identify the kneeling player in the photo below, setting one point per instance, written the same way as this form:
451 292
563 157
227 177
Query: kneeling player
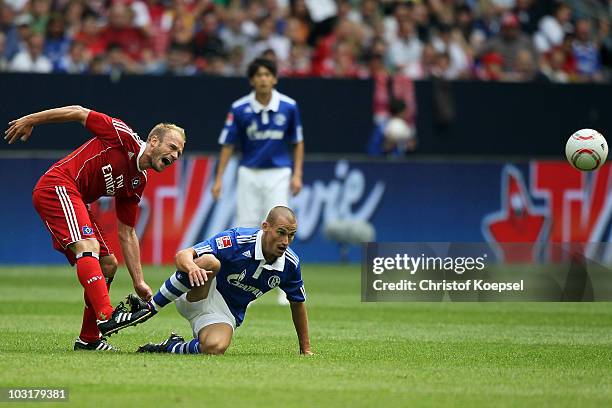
217 278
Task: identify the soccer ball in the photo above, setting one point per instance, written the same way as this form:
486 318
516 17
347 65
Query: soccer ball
398 130
586 150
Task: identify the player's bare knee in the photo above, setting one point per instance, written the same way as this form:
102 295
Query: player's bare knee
109 266
86 245
201 262
213 347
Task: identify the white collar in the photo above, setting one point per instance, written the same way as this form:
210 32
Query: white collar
273 105
143 146
278 265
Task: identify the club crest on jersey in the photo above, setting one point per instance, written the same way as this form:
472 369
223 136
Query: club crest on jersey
87 230
135 182
280 119
273 281
229 120
224 242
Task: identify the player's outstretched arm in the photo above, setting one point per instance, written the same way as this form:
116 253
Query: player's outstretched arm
22 128
131 252
300 321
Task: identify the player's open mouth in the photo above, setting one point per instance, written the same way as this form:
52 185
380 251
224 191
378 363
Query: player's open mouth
166 161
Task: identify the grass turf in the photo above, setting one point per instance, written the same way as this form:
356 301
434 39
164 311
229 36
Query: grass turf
383 354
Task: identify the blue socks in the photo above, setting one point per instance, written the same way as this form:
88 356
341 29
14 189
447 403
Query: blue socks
184 347
172 289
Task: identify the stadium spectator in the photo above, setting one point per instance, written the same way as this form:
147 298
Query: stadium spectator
57 43
3 59
99 65
464 23
553 66
404 52
314 37
345 31
525 69
552 29
268 39
90 35
32 59
342 64
180 61
41 13
428 62
73 17
218 278
401 12
207 42
232 33
527 13
606 48
585 51
299 12
442 67
18 35
8 26
490 67
76 61
119 62
112 163
509 43
121 32
447 41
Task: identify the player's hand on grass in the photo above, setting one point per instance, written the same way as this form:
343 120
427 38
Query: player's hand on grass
143 290
216 190
18 129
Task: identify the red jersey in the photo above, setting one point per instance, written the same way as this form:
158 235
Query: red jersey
106 165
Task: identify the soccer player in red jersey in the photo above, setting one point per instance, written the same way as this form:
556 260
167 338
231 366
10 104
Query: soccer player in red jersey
112 163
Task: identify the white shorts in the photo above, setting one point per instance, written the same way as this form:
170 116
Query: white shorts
259 190
207 311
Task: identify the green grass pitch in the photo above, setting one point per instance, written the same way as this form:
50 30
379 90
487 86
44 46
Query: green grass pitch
384 354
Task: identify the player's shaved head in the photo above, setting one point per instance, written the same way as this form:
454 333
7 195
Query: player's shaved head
280 212
161 129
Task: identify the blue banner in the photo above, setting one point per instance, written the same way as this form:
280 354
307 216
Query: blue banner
539 201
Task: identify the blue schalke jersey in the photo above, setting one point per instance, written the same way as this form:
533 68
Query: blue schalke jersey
244 275
263 132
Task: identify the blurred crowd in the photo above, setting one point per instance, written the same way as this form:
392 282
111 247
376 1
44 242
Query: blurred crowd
490 40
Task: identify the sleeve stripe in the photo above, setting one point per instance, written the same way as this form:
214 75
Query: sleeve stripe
246 236
290 254
120 126
202 249
293 261
299 136
223 136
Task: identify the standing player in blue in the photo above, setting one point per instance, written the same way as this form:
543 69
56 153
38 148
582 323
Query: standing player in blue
217 278
264 123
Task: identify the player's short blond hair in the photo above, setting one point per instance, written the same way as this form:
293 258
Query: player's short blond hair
162 128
